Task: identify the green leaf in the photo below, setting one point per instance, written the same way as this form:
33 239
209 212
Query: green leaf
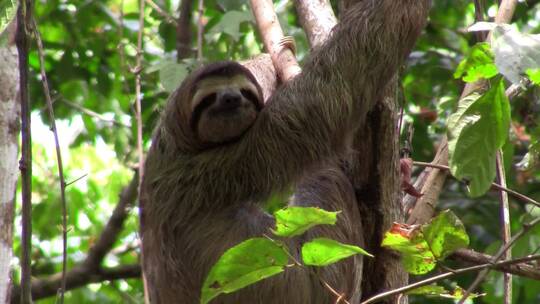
476 131
294 221
534 75
431 290
242 265
417 257
445 234
323 251
477 65
230 24
8 8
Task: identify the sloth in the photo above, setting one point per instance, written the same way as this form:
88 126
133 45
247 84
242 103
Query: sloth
218 153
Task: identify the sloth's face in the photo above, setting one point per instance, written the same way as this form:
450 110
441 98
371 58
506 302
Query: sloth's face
223 108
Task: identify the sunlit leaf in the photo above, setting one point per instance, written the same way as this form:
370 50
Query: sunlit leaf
293 221
444 234
534 75
477 65
323 251
242 265
417 258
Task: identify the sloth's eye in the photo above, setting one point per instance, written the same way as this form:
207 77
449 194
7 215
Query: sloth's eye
203 105
249 95
207 100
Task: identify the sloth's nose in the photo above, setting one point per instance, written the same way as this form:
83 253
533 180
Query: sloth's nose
230 100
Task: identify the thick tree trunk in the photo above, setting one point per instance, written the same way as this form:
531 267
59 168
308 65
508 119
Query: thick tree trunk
9 130
375 176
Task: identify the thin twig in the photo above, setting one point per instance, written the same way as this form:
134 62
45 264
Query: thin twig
505 223
170 19
77 179
24 16
138 117
496 186
63 203
502 251
93 114
446 275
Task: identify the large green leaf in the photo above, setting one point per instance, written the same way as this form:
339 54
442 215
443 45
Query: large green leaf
293 221
323 251
242 265
476 131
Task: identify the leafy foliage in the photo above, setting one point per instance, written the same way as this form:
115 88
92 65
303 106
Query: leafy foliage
478 129
421 247
258 258
90 50
323 252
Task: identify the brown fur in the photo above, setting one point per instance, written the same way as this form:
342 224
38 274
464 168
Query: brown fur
197 202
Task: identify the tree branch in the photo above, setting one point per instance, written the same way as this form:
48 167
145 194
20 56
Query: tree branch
76 277
90 271
24 17
114 226
473 257
446 275
283 57
317 19
183 30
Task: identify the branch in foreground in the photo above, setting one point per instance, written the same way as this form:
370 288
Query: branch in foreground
446 275
76 277
273 38
317 19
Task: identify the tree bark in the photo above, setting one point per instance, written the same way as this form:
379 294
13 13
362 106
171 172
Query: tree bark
9 130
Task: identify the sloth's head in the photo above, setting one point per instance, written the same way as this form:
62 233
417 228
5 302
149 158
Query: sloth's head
217 104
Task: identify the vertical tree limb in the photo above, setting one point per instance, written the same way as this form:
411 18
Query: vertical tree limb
200 29
183 30
24 17
504 215
9 131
